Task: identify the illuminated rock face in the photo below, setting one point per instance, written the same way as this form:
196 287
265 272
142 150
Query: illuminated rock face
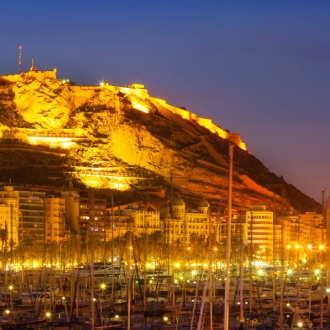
44 103
122 138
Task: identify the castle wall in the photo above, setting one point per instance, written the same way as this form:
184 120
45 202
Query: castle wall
205 122
11 77
139 91
39 75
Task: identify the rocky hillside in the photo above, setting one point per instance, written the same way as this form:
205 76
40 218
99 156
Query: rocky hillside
121 139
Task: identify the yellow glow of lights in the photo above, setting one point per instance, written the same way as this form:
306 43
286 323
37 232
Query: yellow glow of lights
103 286
140 107
321 247
62 142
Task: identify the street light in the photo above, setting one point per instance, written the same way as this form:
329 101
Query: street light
103 286
48 316
11 296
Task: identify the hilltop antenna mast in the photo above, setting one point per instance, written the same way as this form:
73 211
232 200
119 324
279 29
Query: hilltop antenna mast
20 59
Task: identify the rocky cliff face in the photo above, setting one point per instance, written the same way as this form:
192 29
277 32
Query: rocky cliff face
122 138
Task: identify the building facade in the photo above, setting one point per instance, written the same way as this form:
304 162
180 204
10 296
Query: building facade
182 223
54 219
259 228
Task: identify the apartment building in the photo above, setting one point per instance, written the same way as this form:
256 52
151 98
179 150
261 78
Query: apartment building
54 219
259 228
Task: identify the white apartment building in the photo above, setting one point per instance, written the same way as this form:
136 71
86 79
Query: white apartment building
259 225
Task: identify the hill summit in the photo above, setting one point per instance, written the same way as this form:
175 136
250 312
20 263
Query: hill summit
113 138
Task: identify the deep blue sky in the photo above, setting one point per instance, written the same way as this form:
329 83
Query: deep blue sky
258 68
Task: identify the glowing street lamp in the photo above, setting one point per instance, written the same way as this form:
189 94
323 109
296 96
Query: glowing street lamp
11 296
48 316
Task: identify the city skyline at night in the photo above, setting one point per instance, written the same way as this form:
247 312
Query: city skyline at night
260 70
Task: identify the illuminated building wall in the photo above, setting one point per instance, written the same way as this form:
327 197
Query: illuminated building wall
238 229
185 223
92 217
55 219
144 222
259 225
303 235
121 225
71 199
31 211
9 215
132 218
312 230
32 214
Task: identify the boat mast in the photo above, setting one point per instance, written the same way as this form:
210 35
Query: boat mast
241 272
210 274
112 254
228 244
129 279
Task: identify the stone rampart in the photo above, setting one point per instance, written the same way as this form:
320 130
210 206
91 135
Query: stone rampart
205 122
39 75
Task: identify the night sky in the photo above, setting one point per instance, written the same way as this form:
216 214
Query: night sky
258 68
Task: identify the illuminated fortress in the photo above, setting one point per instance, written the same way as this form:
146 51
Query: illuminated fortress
100 131
66 140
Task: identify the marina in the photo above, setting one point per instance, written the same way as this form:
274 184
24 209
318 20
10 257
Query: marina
163 299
